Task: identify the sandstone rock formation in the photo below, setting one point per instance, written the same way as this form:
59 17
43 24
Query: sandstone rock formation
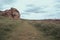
11 13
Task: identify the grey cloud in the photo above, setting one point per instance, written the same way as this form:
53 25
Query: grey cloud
57 0
52 15
57 5
25 13
34 9
30 5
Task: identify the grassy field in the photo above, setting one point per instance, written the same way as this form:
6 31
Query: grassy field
11 29
50 30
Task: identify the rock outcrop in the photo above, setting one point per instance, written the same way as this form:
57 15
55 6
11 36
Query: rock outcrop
11 13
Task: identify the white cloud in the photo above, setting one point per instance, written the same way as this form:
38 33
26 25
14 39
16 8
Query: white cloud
48 6
6 4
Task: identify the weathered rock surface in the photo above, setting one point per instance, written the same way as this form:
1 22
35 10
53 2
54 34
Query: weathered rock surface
11 13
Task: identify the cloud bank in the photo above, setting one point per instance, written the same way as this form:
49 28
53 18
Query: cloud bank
34 9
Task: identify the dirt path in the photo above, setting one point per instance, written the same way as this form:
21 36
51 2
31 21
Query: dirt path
25 32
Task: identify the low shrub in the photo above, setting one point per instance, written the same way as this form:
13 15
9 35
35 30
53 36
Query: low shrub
49 30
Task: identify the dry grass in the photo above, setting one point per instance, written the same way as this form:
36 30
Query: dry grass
50 30
28 30
17 30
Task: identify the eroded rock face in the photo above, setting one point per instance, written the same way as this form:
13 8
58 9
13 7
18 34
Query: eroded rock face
11 13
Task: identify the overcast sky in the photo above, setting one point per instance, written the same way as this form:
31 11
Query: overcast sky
34 9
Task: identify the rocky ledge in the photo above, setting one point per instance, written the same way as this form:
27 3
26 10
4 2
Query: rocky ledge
11 13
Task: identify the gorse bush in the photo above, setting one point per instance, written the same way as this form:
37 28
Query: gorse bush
4 31
49 30
7 26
